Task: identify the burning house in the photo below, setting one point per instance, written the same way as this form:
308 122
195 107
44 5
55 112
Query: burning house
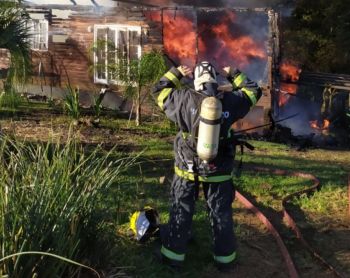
65 35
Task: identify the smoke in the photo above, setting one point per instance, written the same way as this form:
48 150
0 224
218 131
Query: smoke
217 3
307 111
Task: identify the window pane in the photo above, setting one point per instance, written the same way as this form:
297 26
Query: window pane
38 30
134 42
111 54
101 53
122 44
116 46
42 36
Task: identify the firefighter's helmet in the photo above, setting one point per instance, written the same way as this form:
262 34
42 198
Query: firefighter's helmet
144 223
204 72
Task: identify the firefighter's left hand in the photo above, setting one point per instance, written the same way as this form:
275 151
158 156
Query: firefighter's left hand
185 70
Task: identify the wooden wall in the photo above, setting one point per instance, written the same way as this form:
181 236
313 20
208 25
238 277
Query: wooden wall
70 60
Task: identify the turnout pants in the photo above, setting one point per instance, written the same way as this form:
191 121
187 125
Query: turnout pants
219 197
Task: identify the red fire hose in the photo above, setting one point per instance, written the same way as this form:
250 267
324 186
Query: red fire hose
287 258
288 217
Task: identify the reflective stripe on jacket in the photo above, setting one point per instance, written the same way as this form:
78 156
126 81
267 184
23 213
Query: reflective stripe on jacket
182 106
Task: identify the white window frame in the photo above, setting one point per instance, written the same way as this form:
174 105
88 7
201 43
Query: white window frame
41 37
116 28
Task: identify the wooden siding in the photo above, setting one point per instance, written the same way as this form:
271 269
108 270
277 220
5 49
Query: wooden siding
71 61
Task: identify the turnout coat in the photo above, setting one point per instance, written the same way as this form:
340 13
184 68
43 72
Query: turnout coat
182 106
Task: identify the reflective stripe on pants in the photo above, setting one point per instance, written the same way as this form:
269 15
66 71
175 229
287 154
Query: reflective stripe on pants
172 255
219 197
225 259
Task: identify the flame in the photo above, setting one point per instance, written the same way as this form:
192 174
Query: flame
229 46
179 37
289 71
289 88
286 90
217 41
324 125
283 99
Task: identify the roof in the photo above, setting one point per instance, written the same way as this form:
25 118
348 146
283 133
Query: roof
73 2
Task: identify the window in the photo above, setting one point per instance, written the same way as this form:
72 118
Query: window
114 43
38 30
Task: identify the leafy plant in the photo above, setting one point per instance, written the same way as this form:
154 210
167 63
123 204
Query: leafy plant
139 76
51 200
71 102
15 38
97 104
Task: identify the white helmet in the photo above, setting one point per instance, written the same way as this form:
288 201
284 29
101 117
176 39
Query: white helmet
204 72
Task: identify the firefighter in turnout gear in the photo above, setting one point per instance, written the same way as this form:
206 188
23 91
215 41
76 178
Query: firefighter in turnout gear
183 106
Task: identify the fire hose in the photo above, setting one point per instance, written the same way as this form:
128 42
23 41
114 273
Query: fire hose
287 215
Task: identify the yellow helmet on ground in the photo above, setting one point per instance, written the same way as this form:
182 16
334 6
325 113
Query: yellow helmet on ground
144 223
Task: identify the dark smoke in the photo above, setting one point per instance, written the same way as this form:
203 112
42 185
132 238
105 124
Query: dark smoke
217 3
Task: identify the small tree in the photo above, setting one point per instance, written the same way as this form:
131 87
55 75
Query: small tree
139 76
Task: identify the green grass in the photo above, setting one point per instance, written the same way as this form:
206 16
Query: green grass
148 127
331 167
140 185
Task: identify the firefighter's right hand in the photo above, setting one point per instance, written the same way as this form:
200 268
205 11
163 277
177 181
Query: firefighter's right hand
227 70
185 71
230 71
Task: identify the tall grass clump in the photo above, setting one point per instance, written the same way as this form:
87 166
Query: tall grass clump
52 200
10 99
71 102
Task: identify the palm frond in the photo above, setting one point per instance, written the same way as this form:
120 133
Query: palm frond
15 38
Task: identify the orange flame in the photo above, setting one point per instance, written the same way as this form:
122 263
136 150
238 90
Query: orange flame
283 99
181 41
241 49
286 90
320 126
179 37
289 71
289 88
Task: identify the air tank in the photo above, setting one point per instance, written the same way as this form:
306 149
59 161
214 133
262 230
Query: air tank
209 129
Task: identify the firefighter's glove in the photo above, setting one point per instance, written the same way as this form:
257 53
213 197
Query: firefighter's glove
230 71
185 71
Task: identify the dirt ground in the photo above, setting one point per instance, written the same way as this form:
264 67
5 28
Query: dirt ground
259 255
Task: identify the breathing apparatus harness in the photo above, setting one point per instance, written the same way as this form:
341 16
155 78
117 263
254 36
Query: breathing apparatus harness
206 134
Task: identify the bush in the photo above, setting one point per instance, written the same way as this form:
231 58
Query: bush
52 200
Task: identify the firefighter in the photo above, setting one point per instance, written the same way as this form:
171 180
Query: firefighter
182 106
